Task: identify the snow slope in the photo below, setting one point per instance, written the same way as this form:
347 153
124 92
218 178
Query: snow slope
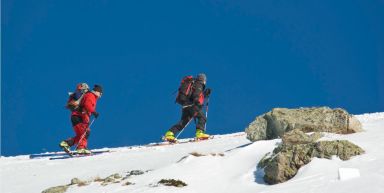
236 171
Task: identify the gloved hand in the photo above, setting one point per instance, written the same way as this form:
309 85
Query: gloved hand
207 92
95 114
87 133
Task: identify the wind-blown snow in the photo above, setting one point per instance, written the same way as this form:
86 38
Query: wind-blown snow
235 172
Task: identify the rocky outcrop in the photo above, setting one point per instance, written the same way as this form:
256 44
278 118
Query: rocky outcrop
286 159
275 123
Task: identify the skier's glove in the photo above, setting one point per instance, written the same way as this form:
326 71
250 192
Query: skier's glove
95 114
207 92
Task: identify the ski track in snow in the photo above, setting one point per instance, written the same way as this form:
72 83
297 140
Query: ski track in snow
236 171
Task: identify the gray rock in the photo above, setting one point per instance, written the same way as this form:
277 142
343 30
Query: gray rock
109 179
299 137
117 176
57 189
172 182
286 159
77 181
136 172
275 123
128 183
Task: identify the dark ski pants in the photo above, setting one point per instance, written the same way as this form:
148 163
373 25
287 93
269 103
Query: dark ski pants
188 113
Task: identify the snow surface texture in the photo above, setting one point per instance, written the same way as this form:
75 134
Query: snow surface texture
236 171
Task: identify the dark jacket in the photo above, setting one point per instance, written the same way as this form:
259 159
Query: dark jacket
198 93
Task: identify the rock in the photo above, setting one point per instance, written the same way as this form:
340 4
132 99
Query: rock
286 159
128 183
109 179
299 137
98 179
275 123
196 154
75 181
136 172
79 182
342 148
172 182
57 189
117 176
133 173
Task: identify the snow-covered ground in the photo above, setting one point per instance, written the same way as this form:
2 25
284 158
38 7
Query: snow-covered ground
235 172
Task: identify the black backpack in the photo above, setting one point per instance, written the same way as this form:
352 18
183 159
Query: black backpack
185 91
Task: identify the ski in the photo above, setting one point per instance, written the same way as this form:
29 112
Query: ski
62 153
76 155
197 140
177 141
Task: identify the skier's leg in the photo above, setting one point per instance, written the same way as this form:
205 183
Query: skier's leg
66 144
186 116
80 138
75 120
201 119
200 126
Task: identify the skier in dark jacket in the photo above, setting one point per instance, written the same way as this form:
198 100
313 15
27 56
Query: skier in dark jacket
193 109
80 119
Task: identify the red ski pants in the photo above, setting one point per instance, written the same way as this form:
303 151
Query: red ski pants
82 132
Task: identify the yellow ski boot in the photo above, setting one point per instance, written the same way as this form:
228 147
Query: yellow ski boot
200 135
170 137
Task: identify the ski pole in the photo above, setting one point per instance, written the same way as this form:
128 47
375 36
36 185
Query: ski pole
82 136
206 114
184 128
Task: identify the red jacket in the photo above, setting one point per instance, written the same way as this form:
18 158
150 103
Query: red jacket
87 106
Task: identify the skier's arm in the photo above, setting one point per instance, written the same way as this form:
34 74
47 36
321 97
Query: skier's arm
88 105
198 90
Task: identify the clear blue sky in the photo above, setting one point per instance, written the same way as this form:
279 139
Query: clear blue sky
257 55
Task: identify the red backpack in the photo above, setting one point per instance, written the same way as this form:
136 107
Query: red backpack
185 91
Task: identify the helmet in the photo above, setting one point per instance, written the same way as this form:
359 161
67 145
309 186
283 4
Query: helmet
202 77
82 87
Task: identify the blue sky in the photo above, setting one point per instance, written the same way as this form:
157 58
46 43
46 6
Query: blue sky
257 55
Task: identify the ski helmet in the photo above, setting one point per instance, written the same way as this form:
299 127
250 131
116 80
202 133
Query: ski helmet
83 87
202 77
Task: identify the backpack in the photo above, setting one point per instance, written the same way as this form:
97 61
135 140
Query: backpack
74 99
185 91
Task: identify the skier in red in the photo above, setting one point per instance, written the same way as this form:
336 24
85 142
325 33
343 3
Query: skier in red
80 119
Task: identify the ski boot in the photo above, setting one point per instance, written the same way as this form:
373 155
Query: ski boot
83 151
170 137
64 145
200 135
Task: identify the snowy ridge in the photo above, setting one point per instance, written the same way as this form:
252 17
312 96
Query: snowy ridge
228 166
370 117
